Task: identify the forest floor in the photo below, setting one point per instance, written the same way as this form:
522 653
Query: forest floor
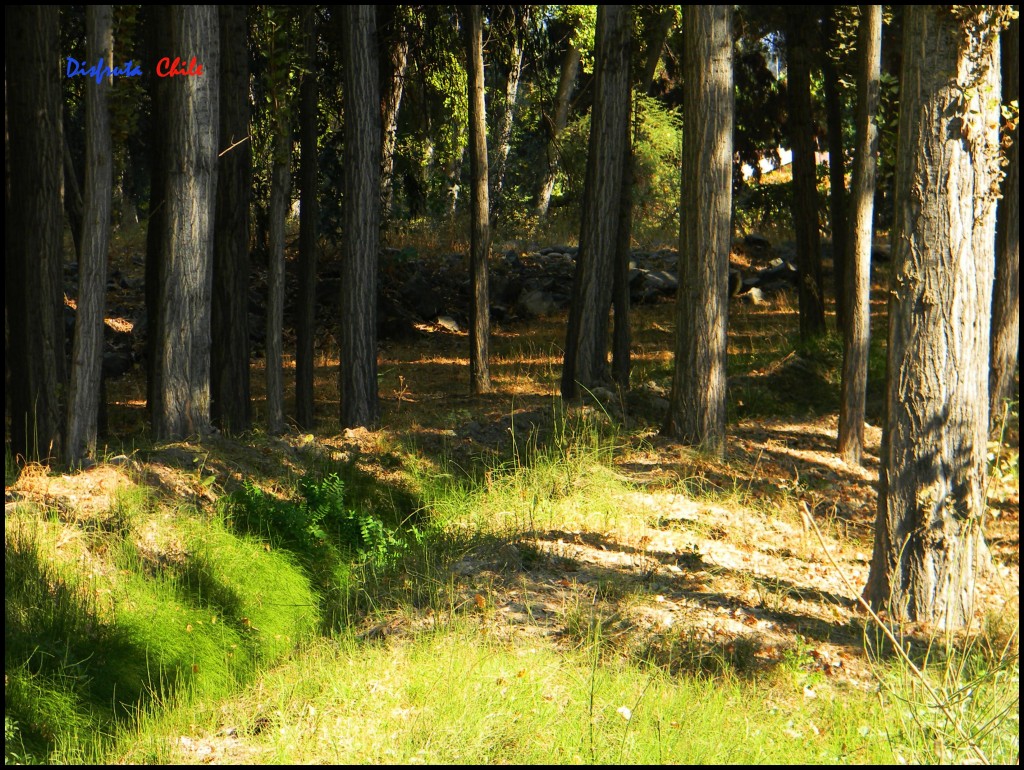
747 566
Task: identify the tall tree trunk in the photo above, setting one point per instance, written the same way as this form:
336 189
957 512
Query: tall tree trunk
586 348
182 346
556 125
397 56
280 195
231 406
1006 297
621 336
931 496
308 208
656 34
480 229
857 284
358 381
157 38
836 170
697 404
805 191
87 351
33 289
496 176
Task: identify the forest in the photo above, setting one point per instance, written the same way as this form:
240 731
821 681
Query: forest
511 384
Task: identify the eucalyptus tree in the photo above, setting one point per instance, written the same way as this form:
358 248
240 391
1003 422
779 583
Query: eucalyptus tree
931 498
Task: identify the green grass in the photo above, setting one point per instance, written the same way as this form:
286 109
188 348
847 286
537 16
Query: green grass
460 696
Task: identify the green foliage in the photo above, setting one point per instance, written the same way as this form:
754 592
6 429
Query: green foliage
657 145
318 522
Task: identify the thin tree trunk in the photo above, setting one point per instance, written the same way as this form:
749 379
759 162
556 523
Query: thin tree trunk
87 351
656 35
480 230
34 226
697 404
306 311
1006 297
857 284
358 335
73 205
570 67
621 336
836 170
805 191
182 346
280 194
231 406
586 348
496 175
931 497
397 56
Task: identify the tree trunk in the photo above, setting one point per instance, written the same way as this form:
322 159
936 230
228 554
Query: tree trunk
33 288
87 351
621 336
697 404
857 283
182 344
280 195
805 191
931 496
397 56
480 230
74 207
656 34
836 170
231 405
586 347
358 380
1006 297
570 67
503 145
308 211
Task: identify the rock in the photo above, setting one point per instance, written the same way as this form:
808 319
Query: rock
536 303
448 323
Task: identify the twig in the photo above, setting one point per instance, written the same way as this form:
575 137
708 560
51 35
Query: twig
809 519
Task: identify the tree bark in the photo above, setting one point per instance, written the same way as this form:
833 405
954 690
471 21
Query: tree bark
309 212
836 170
1006 297
931 499
586 348
280 195
87 350
805 191
697 404
391 101
557 124
480 229
33 287
182 342
358 378
231 406
857 284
